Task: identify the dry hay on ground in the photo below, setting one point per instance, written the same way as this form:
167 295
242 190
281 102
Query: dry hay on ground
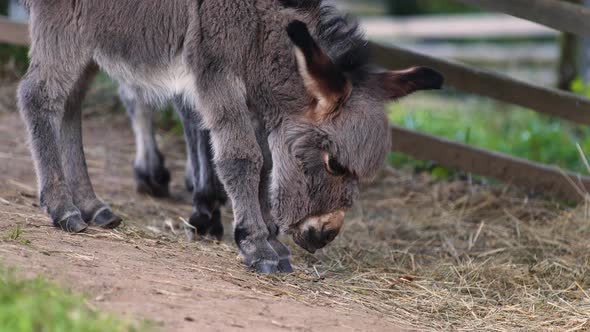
447 256
455 256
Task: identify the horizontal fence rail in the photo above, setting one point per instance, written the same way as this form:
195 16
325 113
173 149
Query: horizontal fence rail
538 177
444 27
12 32
486 83
559 15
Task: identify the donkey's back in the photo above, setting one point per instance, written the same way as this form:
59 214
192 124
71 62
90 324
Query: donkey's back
138 42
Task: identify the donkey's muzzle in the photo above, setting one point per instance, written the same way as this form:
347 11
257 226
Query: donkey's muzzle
316 232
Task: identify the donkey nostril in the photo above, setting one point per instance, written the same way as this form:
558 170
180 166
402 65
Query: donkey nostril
330 236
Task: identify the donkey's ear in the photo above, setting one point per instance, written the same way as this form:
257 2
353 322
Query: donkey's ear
397 84
324 81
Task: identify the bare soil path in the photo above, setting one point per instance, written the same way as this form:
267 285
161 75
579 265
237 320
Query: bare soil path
146 270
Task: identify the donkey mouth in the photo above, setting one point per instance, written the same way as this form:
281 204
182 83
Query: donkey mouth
307 247
302 241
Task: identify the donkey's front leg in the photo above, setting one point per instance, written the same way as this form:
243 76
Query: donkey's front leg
239 161
265 204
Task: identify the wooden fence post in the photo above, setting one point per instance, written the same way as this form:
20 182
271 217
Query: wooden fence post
570 59
584 54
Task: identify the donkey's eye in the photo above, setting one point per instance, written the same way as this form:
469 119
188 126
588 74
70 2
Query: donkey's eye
334 167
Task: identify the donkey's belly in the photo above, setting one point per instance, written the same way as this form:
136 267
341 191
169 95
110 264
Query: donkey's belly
153 84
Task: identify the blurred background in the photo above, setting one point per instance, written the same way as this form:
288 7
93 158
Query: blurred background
446 29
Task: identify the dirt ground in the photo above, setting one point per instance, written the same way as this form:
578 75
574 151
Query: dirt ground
143 270
415 253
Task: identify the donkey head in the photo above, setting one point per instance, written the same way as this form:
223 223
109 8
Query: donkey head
342 136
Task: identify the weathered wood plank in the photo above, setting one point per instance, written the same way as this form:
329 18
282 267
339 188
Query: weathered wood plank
559 15
444 27
13 32
486 83
537 177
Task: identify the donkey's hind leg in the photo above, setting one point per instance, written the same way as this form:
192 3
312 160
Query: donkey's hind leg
208 193
43 94
93 210
151 175
189 171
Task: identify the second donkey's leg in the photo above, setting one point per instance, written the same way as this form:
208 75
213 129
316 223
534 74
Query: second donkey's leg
151 175
74 162
208 193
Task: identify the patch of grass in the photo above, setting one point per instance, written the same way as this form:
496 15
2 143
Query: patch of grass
421 7
168 120
15 234
491 125
28 305
13 60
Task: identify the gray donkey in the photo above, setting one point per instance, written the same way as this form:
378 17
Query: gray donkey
298 65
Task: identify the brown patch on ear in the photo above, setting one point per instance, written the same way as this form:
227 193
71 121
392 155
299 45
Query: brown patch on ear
397 84
323 80
325 106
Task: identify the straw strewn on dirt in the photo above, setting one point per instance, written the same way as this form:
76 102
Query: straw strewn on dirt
446 256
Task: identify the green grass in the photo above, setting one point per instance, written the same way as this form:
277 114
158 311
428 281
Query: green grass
495 126
36 305
13 59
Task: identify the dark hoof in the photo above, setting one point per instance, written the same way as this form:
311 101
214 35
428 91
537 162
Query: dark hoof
72 224
216 226
266 267
285 266
156 185
106 219
207 224
202 223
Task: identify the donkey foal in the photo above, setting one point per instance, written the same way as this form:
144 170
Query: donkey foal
299 67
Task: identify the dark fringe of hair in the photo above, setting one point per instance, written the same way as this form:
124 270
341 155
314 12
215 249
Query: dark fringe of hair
344 41
339 35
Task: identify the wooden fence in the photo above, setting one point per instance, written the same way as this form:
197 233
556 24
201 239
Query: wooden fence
546 179
13 32
538 177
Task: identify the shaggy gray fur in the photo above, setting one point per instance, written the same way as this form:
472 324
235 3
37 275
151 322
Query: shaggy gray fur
228 60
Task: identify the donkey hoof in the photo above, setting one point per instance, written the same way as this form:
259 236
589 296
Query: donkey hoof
285 266
201 222
156 185
266 267
72 224
106 219
216 226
